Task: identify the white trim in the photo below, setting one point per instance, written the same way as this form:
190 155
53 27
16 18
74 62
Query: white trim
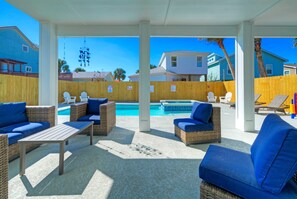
171 61
24 46
287 70
28 69
270 69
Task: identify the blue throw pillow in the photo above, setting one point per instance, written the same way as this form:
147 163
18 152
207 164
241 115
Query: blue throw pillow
201 112
12 113
94 105
274 154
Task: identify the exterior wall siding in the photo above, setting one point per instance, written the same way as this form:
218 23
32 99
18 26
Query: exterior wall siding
221 67
11 47
187 65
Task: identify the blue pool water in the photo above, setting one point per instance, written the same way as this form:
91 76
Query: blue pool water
133 110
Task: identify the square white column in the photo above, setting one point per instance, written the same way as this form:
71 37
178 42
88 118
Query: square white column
48 65
244 56
144 76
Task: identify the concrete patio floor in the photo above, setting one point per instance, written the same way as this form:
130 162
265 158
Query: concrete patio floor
126 163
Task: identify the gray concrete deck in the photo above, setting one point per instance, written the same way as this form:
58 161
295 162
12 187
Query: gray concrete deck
126 163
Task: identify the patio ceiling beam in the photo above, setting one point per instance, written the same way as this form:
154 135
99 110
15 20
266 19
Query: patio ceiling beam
193 31
98 30
275 31
171 31
155 30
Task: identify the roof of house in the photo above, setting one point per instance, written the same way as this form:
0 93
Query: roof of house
156 71
90 75
34 46
294 66
11 61
182 52
213 54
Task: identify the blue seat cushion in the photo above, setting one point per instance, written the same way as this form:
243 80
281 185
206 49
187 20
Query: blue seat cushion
13 137
201 112
12 113
233 171
26 128
274 154
190 125
94 118
93 107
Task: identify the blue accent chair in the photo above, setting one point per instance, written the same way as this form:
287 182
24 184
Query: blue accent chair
204 125
18 121
99 110
267 172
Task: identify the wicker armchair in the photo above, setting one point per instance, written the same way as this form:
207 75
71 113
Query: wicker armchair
3 166
210 191
203 136
34 114
107 116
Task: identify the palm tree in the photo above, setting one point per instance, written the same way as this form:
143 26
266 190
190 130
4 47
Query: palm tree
258 51
294 42
63 66
220 42
79 70
119 74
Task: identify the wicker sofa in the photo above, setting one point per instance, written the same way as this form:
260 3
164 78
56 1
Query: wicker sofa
105 120
18 121
269 171
3 166
203 126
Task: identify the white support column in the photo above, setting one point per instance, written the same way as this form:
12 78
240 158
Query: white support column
48 65
144 76
244 50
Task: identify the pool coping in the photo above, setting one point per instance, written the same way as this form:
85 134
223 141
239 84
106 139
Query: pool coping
119 103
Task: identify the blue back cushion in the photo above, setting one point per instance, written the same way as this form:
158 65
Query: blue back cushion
201 112
274 154
12 113
94 105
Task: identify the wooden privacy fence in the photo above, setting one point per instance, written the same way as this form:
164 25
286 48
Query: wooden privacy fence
19 88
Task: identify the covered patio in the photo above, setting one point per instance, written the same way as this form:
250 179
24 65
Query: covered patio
141 157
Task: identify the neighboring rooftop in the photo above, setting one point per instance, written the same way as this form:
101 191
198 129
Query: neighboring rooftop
159 70
89 75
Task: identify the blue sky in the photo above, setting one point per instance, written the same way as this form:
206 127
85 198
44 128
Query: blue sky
107 54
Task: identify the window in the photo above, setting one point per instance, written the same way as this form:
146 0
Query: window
199 61
229 71
25 48
173 61
28 69
269 69
287 72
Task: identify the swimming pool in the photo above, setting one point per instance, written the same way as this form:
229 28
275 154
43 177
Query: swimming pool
133 110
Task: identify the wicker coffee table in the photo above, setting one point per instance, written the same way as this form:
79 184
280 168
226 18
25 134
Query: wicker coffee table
57 134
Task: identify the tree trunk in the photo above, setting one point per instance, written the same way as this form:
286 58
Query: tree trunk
221 45
258 50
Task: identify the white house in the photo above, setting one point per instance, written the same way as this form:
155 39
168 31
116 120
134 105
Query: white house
290 69
178 66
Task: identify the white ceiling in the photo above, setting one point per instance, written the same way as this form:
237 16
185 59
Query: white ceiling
161 12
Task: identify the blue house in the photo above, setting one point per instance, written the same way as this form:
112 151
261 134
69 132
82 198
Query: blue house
218 69
17 53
